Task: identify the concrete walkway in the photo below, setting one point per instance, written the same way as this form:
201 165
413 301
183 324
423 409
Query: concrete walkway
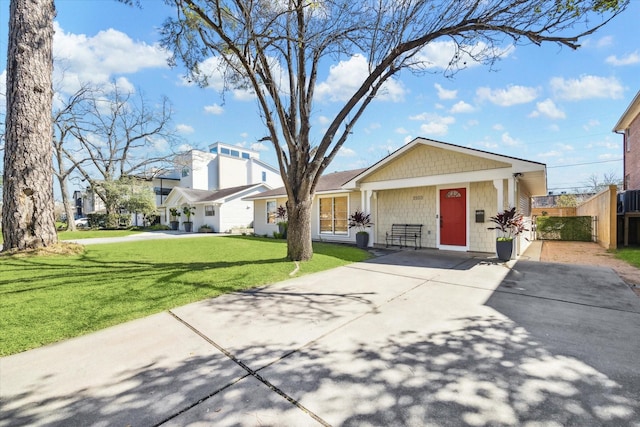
413 338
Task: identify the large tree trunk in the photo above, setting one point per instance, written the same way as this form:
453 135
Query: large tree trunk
28 219
299 246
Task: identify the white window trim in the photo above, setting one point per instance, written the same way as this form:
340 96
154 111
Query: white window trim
266 208
333 196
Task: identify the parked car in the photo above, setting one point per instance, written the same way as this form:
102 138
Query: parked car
82 222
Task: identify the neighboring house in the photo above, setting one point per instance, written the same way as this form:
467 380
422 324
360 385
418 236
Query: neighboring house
451 190
225 166
629 201
629 127
216 181
223 210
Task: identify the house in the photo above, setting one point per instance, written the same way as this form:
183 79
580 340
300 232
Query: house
215 182
629 200
629 127
451 190
225 166
222 210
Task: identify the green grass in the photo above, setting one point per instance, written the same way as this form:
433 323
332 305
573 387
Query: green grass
630 255
90 234
47 299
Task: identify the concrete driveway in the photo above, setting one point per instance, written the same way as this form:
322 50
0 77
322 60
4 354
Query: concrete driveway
414 338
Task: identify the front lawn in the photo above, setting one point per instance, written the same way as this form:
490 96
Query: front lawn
89 234
630 255
47 299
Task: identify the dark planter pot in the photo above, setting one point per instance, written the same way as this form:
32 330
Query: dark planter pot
175 225
504 248
362 240
188 227
282 229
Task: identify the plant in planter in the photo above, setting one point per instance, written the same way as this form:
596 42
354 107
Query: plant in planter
188 211
510 224
281 215
361 221
205 228
175 215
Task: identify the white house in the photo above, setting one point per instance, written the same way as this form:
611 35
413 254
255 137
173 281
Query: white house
448 189
215 182
222 210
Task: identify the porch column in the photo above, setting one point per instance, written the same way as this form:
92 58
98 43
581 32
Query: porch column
497 183
365 204
511 196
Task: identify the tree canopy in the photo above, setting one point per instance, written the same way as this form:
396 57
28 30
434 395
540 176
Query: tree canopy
276 48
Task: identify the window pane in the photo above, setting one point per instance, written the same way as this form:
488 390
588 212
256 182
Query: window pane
224 150
340 214
235 153
271 212
326 217
245 155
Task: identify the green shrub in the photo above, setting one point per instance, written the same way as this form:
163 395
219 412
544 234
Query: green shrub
569 228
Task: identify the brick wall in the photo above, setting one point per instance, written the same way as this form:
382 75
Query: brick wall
632 158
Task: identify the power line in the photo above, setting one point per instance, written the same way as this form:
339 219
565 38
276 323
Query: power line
581 164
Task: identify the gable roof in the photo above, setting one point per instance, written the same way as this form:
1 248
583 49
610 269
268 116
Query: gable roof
632 111
330 182
192 196
533 174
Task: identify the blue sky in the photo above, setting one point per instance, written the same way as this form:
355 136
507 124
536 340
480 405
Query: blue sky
546 104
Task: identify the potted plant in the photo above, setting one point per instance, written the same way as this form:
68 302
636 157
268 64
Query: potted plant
510 224
361 221
188 211
175 222
205 228
281 215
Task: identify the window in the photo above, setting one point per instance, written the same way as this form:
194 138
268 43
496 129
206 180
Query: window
264 176
627 139
185 172
245 155
213 150
225 151
333 215
235 153
271 211
209 211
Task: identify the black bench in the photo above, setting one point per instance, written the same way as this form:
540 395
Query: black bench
403 233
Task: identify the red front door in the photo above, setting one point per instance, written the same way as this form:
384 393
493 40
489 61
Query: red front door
453 217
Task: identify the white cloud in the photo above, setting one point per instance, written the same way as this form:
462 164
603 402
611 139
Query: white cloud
461 107
346 77
324 120
509 140
587 87
498 127
185 147
444 93
244 135
346 152
184 129
214 109
552 153
407 139
548 109
100 58
630 59
512 95
473 122
435 124
441 54
591 124
605 41
259 146
401 131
